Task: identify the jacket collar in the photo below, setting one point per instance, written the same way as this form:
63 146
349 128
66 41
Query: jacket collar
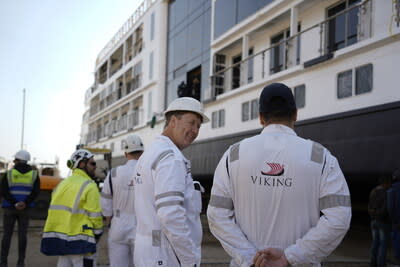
79 172
170 143
278 128
131 161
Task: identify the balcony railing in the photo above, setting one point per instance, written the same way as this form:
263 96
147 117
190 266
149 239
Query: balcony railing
126 122
309 47
125 29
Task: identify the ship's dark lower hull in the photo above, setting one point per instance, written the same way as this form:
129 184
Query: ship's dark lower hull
366 143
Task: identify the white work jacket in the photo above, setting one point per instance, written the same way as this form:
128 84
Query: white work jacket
167 207
269 190
118 202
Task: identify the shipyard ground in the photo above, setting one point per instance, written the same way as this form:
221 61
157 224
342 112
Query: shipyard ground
353 251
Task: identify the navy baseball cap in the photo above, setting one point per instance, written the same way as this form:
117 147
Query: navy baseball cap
276 97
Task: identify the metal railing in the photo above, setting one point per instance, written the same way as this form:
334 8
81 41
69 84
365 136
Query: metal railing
125 122
289 53
125 29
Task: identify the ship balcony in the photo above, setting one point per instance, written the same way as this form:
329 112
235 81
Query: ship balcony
126 122
247 61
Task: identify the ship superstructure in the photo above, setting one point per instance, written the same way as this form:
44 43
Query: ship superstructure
127 93
339 56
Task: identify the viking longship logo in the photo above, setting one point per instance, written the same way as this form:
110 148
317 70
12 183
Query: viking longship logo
275 169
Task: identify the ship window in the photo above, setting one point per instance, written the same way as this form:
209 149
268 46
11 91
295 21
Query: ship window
236 71
149 105
250 110
342 30
137 75
364 79
152 21
245 111
151 63
277 53
362 82
344 84
220 78
300 95
221 118
218 118
254 109
250 67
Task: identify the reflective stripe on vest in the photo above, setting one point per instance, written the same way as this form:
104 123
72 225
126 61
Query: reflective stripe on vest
21 184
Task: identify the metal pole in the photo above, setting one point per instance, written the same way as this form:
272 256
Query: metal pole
23 119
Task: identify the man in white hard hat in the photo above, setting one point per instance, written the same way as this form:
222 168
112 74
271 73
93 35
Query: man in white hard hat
117 201
167 201
19 187
270 190
74 223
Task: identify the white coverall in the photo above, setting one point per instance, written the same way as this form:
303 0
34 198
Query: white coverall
268 191
120 205
167 207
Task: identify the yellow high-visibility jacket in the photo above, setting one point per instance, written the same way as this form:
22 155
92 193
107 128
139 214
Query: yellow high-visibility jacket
74 219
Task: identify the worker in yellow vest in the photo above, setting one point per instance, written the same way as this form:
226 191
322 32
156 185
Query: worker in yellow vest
74 223
19 187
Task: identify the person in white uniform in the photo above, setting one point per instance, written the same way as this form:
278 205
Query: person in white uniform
117 200
167 200
268 192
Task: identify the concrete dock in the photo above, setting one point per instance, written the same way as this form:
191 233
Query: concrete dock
352 252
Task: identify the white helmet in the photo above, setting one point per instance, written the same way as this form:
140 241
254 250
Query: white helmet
23 155
77 156
133 143
187 104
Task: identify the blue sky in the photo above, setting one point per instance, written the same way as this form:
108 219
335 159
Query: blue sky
49 47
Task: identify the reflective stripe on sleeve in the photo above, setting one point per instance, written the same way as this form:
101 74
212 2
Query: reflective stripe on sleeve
334 201
234 153
156 238
169 194
317 153
169 203
104 195
160 157
221 202
78 211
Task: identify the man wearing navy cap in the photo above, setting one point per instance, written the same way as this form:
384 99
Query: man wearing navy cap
269 191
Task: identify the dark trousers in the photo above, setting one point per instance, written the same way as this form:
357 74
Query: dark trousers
9 219
380 238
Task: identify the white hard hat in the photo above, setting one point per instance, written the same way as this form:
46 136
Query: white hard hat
23 155
77 156
133 143
187 104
